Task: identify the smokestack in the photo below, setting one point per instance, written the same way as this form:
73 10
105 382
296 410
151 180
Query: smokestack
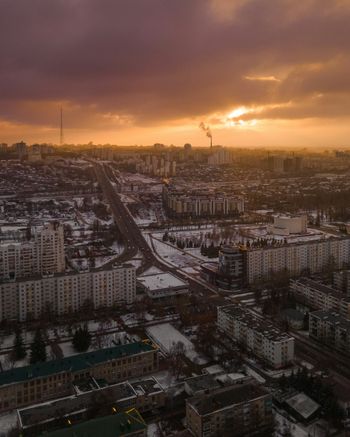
207 131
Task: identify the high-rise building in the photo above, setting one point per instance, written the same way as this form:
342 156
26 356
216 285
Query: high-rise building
296 258
30 298
42 254
189 203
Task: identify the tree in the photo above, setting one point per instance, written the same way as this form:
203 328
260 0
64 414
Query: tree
37 348
176 353
81 339
19 351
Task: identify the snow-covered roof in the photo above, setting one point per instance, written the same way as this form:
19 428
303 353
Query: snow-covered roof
161 281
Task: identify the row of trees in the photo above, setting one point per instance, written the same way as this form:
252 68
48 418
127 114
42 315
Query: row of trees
314 387
81 342
37 348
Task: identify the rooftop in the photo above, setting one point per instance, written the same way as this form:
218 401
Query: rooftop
225 397
325 289
266 329
161 281
303 405
73 363
333 318
112 426
68 406
202 382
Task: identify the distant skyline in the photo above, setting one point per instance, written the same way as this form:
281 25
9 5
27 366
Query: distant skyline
258 72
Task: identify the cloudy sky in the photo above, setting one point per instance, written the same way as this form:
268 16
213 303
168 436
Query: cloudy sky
259 72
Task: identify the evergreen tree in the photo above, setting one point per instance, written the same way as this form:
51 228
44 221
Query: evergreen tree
81 339
19 351
37 348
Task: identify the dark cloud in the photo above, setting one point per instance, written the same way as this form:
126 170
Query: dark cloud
154 61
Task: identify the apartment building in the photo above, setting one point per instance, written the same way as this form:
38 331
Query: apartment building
261 338
341 281
320 296
220 156
229 273
44 381
296 258
330 328
30 298
238 410
144 395
42 254
124 424
189 203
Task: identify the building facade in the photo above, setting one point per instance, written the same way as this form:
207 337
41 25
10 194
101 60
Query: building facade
289 224
296 258
182 203
265 341
40 382
239 410
42 254
330 328
319 296
341 281
59 294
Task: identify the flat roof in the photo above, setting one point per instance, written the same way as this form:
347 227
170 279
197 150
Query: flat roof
303 405
111 426
325 289
332 317
261 326
202 382
73 363
225 397
161 281
46 412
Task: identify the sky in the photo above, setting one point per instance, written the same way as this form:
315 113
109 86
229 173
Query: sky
258 72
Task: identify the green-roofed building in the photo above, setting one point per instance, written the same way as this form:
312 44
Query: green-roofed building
43 381
121 424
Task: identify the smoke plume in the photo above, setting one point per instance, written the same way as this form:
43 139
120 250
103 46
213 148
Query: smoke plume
206 129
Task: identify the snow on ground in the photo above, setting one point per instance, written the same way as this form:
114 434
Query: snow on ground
152 271
152 430
7 422
174 256
166 336
215 368
135 262
191 270
165 379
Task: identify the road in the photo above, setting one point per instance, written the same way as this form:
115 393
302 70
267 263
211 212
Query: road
134 240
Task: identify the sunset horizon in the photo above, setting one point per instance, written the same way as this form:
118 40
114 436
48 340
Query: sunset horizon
259 73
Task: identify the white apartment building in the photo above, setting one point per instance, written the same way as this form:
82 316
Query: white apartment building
66 293
330 328
199 204
220 156
319 296
43 254
288 224
296 258
262 339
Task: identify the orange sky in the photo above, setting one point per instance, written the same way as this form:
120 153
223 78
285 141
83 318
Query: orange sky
259 72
